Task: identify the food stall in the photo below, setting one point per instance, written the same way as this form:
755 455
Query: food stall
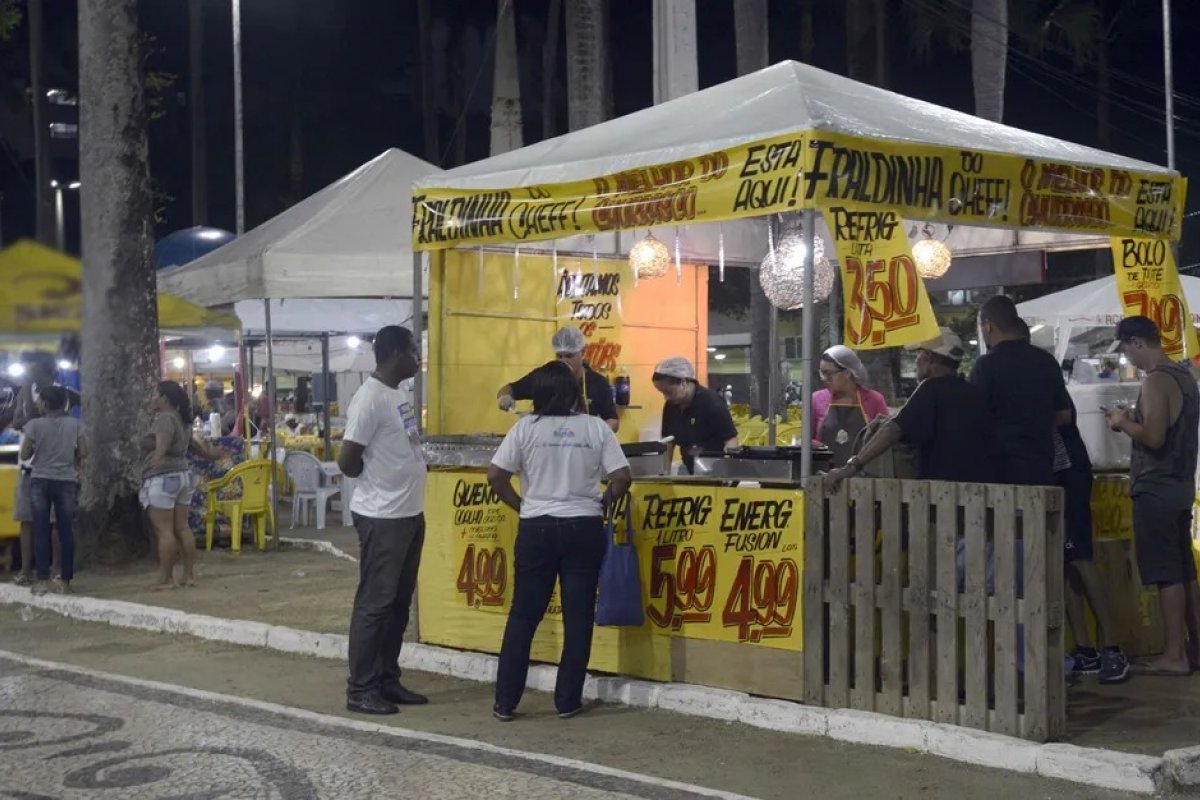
40 300
730 599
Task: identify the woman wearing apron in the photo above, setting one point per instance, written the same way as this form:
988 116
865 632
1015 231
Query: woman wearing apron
846 405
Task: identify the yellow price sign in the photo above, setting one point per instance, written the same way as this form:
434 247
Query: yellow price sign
1148 285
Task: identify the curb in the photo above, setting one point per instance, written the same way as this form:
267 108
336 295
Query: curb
1106 769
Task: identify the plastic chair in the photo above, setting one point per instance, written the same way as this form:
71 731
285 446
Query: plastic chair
254 478
307 477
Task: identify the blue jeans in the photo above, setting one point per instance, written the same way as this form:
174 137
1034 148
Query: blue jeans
549 549
44 495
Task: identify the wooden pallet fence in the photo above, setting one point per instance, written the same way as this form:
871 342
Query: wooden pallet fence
937 600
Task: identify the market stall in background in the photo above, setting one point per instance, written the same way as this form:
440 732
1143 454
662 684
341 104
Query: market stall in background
749 583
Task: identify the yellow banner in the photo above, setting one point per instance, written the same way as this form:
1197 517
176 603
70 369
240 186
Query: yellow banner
483 530
588 296
722 564
813 170
1148 285
885 299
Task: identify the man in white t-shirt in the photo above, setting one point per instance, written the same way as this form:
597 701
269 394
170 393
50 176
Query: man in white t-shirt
382 449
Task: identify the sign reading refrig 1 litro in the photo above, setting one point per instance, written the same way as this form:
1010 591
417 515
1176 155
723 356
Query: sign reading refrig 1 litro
1148 285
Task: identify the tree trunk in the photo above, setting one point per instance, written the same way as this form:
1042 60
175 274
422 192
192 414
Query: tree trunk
550 69
879 30
196 103
587 62
989 56
751 35
428 103
43 193
120 328
506 85
296 191
808 36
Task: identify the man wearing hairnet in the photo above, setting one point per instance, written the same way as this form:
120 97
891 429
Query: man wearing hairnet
596 398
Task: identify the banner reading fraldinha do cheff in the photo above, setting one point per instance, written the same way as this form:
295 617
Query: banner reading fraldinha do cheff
814 170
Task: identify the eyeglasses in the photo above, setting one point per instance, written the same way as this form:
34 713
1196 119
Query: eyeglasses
829 373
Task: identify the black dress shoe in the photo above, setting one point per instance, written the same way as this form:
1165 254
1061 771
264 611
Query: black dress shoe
397 694
374 703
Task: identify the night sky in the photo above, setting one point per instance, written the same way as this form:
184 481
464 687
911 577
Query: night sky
340 78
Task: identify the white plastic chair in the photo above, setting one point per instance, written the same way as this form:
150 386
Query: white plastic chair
309 486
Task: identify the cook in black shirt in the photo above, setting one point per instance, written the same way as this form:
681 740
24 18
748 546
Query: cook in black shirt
946 420
696 416
595 399
1025 392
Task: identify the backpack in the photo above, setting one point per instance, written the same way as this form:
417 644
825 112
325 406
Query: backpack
899 461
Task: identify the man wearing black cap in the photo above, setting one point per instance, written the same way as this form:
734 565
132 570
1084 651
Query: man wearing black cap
596 398
1163 428
1025 392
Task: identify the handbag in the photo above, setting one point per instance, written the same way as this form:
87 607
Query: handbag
620 592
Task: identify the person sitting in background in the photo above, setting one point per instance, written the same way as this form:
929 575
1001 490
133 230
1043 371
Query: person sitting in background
696 416
561 456
54 444
846 405
215 403
946 420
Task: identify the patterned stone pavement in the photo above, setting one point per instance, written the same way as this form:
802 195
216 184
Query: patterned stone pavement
65 733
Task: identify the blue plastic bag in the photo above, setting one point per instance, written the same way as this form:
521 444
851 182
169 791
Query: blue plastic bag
620 594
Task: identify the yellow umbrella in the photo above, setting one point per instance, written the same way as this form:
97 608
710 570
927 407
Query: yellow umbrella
41 292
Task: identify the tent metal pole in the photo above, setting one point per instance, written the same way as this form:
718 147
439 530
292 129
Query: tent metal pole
807 346
325 396
418 329
269 441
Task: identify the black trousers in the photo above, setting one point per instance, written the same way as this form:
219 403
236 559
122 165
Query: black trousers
567 550
390 555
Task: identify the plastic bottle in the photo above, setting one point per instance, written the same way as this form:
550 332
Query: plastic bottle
621 388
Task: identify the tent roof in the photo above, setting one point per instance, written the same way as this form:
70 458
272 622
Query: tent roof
1093 303
42 292
785 98
318 316
349 239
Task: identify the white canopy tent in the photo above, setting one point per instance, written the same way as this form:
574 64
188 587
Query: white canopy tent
785 99
351 239
319 316
1094 304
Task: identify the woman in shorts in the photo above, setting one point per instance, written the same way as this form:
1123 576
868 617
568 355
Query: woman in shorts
168 484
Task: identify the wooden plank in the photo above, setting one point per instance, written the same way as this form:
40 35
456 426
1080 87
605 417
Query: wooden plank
1031 501
916 494
837 595
815 650
862 493
891 616
1002 499
973 497
944 496
1056 652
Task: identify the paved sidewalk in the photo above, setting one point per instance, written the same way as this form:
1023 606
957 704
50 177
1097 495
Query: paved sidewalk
723 756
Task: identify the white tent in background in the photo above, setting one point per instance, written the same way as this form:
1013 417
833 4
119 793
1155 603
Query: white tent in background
1094 304
351 239
320 316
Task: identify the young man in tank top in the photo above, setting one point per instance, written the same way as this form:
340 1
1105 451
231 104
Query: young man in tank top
1163 428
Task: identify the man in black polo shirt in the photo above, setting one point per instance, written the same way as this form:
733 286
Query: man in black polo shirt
946 420
1025 392
596 398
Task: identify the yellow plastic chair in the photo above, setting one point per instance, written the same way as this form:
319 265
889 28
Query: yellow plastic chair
254 477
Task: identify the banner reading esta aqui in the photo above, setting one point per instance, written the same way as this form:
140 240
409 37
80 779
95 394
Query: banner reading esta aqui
813 170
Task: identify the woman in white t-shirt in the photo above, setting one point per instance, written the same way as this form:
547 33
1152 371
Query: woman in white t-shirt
561 457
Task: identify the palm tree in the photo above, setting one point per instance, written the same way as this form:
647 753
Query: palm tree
989 56
506 86
120 325
750 33
587 63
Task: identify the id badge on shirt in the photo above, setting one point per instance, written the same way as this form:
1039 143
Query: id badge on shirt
409 415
